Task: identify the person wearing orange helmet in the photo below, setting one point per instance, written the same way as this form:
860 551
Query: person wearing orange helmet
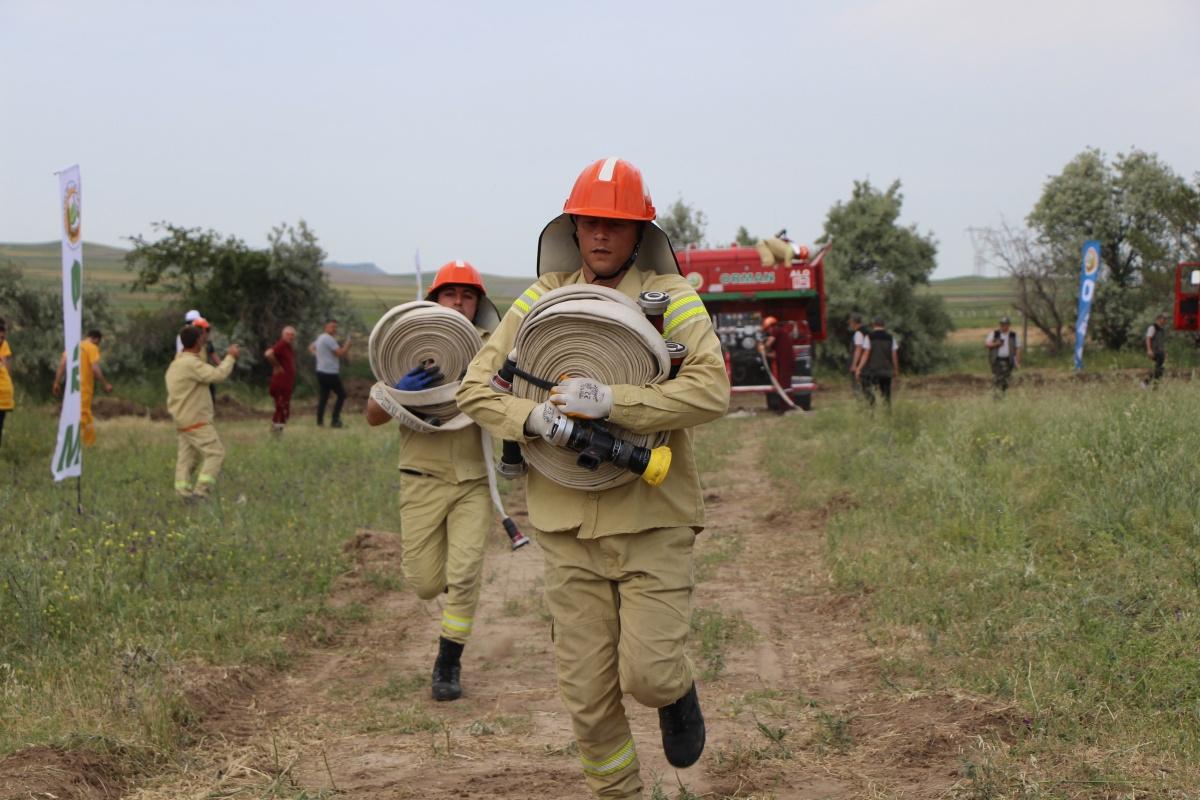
618 562
445 505
782 352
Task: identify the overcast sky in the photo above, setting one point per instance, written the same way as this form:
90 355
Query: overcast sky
459 127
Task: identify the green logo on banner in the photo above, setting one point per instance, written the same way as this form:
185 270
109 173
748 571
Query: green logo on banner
76 283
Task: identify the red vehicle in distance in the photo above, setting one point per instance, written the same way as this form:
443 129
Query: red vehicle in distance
739 292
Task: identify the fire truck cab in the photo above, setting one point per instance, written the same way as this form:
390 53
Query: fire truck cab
739 292
1187 297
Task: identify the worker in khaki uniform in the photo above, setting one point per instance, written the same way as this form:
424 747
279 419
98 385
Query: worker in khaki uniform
89 371
618 562
191 406
776 250
445 507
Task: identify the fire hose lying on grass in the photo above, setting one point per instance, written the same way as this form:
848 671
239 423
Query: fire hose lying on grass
418 334
598 333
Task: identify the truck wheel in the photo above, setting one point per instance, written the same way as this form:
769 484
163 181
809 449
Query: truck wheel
804 400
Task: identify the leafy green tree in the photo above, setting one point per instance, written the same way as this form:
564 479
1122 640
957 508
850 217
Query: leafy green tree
743 237
33 316
875 267
684 224
248 295
1138 209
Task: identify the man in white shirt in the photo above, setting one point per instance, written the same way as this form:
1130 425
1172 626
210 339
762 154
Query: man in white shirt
880 362
1156 347
1004 354
858 357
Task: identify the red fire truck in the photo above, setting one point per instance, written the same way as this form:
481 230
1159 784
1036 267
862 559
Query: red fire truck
739 292
1187 297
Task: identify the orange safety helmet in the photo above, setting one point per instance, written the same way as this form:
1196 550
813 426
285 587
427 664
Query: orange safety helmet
456 272
613 188
770 322
461 273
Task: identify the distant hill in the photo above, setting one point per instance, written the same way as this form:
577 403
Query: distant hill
372 291
368 267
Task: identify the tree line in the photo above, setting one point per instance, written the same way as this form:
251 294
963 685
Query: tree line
247 294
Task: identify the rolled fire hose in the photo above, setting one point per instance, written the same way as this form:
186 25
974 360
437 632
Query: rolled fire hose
594 332
414 334
762 355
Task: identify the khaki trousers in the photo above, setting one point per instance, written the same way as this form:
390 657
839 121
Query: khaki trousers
622 610
444 528
198 446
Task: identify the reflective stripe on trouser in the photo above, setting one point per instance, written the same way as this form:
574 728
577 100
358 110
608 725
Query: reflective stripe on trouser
87 423
622 609
198 447
444 528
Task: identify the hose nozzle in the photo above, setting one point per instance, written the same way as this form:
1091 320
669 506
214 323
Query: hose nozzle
515 536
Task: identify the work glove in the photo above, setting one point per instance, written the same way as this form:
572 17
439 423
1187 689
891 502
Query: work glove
541 420
582 397
419 378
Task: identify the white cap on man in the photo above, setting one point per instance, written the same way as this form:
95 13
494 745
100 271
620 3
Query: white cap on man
191 316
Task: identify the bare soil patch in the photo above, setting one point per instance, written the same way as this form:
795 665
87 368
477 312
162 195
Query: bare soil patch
797 698
47 773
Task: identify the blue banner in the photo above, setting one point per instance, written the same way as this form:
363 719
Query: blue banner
1087 290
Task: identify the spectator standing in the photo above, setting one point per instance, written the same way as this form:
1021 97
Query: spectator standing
329 363
191 407
1156 348
89 371
881 364
6 387
858 357
1004 354
283 377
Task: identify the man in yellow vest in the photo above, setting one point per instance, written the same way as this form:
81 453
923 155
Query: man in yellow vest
618 562
446 509
89 371
191 406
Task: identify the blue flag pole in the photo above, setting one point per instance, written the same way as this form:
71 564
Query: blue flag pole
1087 290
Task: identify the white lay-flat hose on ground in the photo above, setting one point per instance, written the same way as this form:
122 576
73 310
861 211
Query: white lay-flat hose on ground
593 332
415 333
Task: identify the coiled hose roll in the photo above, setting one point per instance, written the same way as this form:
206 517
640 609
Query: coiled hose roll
594 332
413 334
410 335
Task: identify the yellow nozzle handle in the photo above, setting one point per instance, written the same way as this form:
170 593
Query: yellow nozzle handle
656 470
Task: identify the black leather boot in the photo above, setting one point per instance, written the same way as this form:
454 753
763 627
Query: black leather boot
682 727
446 670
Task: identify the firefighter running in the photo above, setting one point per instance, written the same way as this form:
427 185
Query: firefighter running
1004 354
445 505
618 562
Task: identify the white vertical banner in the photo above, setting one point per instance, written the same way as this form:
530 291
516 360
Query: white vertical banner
68 454
417 261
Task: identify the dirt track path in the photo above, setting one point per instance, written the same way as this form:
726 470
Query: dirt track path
356 714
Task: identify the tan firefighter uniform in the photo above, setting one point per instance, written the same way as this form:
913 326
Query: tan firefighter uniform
618 562
445 517
191 406
774 251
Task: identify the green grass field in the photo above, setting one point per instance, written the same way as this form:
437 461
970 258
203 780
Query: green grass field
1040 551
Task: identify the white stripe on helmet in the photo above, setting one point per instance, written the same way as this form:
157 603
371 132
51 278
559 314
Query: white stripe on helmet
606 172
